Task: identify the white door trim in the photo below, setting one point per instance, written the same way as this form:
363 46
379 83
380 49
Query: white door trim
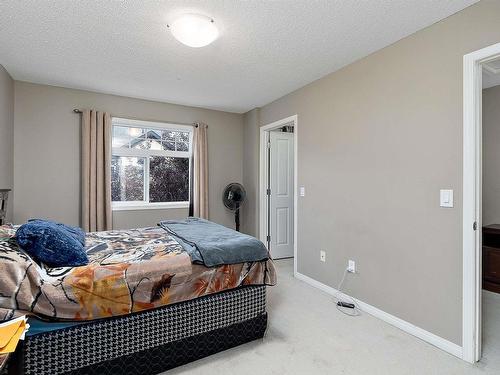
263 183
472 185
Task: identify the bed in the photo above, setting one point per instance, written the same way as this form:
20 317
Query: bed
140 305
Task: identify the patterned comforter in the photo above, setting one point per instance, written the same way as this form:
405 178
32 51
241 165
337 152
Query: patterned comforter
128 271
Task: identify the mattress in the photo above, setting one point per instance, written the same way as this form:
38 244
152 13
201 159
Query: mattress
38 326
148 342
129 271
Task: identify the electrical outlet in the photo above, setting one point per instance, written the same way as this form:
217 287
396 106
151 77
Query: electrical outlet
351 266
322 256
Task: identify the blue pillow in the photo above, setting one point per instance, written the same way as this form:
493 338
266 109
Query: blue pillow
51 244
76 232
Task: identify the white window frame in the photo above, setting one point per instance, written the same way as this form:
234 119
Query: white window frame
139 153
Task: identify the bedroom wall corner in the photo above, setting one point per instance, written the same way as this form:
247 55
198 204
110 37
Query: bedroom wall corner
250 209
7 136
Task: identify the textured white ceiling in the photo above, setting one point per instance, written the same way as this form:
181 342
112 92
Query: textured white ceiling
266 48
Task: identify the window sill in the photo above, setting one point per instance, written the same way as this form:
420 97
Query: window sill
150 206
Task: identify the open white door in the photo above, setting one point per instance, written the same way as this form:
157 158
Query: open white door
281 194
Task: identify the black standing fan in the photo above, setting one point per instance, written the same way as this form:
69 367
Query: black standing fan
233 197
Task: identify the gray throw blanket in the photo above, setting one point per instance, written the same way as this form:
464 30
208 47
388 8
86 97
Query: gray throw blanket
213 244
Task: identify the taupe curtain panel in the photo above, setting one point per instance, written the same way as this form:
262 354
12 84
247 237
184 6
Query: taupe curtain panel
96 171
199 190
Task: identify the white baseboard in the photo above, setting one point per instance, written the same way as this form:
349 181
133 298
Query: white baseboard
412 329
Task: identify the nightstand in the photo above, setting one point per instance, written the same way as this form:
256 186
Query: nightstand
4 195
491 258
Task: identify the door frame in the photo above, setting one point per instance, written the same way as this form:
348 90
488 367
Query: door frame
472 200
263 180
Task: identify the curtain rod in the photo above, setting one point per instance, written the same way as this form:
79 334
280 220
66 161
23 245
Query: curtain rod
195 124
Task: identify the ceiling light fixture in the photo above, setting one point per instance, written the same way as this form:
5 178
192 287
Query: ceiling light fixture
194 30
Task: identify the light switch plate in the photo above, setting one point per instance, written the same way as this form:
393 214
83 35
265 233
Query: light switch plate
446 198
302 191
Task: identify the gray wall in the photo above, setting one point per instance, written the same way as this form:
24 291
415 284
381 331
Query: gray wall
47 151
6 135
249 219
491 155
377 140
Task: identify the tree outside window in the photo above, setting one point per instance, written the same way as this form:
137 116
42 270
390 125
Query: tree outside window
150 163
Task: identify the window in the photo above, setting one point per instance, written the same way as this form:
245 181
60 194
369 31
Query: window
150 164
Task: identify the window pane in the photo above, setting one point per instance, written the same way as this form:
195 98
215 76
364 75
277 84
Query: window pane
142 144
154 139
168 179
183 141
168 140
127 179
154 134
124 136
150 139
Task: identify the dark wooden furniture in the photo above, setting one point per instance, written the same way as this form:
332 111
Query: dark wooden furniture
4 194
4 358
491 258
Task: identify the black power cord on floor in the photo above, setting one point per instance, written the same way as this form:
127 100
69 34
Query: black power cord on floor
345 304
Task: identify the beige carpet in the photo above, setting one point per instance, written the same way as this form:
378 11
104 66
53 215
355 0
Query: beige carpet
308 335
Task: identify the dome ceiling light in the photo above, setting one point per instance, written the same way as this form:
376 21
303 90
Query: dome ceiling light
194 30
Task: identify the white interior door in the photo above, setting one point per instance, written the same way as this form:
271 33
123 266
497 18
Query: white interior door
281 194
